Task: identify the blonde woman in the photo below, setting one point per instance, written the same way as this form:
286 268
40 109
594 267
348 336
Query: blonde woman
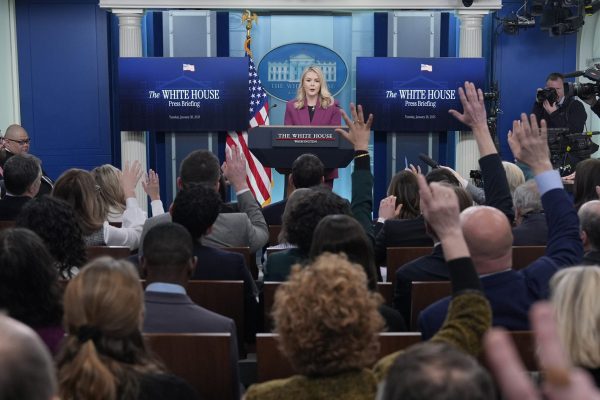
314 105
575 300
104 356
108 178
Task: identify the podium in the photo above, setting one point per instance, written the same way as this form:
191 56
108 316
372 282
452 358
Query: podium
277 146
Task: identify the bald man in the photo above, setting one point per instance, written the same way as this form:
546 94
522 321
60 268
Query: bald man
489 237
26 367
589 220
16 141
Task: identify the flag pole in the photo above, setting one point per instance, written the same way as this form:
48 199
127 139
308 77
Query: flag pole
249 18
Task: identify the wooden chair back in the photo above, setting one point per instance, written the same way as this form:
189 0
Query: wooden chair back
271 364
201 359
269 289
385 290
398 256
116 252
249 258
423 294
525 255
525 343
6 225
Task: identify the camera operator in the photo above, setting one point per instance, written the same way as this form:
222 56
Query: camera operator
594 103
558 111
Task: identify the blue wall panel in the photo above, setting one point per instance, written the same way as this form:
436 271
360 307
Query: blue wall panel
64 82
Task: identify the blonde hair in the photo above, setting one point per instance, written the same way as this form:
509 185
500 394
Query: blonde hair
327 319
514 175
111 191
104 355
325 97
575 300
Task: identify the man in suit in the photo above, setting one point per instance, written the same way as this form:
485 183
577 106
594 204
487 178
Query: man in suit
489 236
27 367
246 228
196 209
589 220
168 263
307 171
22 179
16 141
531 228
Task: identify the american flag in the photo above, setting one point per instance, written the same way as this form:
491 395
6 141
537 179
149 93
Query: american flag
258 177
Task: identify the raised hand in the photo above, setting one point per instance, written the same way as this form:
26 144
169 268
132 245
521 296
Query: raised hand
529 143
359 130
388 209
151 185
234 168
130 176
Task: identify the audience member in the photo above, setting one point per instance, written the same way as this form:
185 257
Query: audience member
530 221
403 192
246 228
341 234
431 267
29 289
168 263
104 356
55 222
22 182
108 179
488 233
587 180
26 368
589 220
16 142
575 300
328 323
562 381
307 171
78 188
196 209
469 315
437 371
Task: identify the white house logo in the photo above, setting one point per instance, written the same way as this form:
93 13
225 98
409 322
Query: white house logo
281 68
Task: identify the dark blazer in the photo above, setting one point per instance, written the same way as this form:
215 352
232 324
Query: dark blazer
219 265
400 232
273 212
176 313
330 116
431 267
533 231
591 258
46 185
279 264
511 293
10 206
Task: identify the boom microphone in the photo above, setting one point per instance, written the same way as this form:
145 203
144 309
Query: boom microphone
574 74
428 160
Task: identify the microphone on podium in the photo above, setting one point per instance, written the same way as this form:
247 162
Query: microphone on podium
429 161
271 109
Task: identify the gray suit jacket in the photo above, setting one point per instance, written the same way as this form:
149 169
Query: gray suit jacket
246 228
176 313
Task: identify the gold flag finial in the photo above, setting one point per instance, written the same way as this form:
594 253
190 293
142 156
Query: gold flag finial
249 18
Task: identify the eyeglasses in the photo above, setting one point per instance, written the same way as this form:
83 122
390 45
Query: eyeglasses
20 142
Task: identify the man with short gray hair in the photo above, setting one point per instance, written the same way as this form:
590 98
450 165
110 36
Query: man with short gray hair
531 228
26 368
589 223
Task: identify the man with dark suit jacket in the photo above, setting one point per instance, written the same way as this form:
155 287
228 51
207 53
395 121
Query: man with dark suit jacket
168 263
197 209
307 171
488 232
246 228
531 228
16 141
589 220
22 179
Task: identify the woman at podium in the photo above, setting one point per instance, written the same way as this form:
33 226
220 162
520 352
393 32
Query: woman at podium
314 105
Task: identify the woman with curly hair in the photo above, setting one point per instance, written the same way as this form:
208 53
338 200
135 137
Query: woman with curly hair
55 222
78 188
328 327
29 289
104 356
